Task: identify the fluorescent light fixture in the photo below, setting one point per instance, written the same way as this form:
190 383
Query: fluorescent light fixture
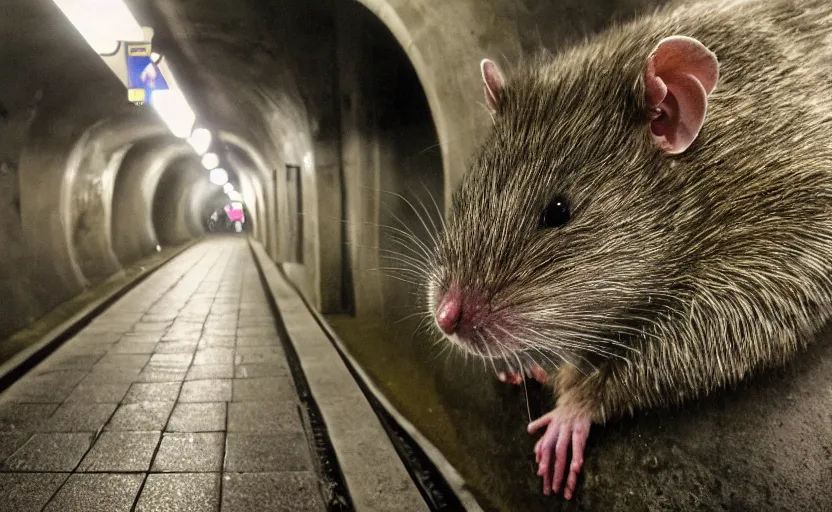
219 177
235 196
174 110
200 140
210 160
102 23
228 188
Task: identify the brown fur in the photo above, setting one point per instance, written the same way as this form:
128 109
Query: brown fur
676 275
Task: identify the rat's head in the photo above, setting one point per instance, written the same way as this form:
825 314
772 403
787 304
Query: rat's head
562 233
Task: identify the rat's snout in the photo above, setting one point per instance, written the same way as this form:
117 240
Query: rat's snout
449 313
459 313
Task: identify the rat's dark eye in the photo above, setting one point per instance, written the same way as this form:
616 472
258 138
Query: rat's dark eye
556 214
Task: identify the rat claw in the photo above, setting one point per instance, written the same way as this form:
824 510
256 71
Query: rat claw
510 378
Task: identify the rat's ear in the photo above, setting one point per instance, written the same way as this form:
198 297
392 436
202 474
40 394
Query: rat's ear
494 81
681 74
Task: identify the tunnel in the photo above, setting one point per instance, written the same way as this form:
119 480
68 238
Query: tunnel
220 307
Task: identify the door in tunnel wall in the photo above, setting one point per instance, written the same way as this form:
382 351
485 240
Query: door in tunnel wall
294 205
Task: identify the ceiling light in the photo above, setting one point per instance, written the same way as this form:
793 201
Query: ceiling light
102 23
174 110
210 160
219 177
228 188
200 140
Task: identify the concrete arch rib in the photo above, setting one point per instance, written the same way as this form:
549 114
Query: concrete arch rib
171 202
391 19
198 195
99 158
133 233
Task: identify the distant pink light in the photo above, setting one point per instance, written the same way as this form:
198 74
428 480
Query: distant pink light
235 214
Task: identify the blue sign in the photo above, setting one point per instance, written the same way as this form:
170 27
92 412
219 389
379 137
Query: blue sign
143 76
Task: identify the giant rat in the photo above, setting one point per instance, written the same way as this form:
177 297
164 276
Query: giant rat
650 218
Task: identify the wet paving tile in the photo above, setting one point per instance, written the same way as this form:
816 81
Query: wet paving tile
170 361
215 355
264 417
276 492
181 492
132 347
210 371
108 373
216 341
251 331
264 388
99 393
22 417
194 453
78 417
285 451
248 355
124 360
191 335
259 341
152 392
10 442
161 375
28 491
51 387
211 390
121 452
141 416
198 417
97 493
70 361
140 338
176 347
151 327
255 370
90 337
49 452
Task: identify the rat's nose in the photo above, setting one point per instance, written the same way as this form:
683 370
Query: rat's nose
449 313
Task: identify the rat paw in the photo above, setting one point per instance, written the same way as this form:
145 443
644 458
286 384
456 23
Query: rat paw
510 377
564 425
516 378
539 374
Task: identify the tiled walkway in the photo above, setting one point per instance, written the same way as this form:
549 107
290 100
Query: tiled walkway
178 398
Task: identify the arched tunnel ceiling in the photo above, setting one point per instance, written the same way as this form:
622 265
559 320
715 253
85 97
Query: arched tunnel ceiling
245 66
264 69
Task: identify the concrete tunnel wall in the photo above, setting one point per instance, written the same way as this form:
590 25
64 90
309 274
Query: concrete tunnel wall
66 135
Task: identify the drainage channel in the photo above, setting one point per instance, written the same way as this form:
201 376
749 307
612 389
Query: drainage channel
334 489
437 493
